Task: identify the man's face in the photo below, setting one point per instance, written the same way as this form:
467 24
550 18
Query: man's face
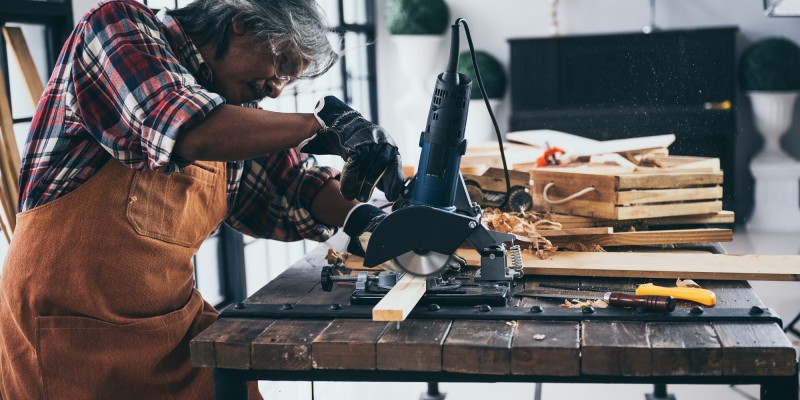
247 72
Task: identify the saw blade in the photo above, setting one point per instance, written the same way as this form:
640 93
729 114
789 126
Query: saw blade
422 263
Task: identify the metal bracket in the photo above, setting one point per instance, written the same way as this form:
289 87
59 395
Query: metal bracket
486 312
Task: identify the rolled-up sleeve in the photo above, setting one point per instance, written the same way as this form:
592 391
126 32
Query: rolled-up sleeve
275 195
132 93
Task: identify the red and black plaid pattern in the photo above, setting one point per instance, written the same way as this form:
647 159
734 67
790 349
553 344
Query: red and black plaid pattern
125 86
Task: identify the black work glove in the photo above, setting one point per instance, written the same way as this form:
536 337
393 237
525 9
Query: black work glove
363 218
370 154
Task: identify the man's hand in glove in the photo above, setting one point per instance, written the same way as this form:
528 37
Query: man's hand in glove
370 154
362 218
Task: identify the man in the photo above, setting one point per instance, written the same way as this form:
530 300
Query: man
135 156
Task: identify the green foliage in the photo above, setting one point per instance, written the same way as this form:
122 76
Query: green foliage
771 64
417 17
492 73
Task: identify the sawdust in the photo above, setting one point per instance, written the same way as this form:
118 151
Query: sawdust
335 258
577 303
539 337
686 283
576 245
525 224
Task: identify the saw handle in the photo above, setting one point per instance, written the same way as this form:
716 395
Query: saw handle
655 303
698 295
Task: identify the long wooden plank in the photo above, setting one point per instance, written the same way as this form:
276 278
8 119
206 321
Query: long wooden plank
608 210
538 344
688 349
644 238
347 344
19 48
658 265
755 349
232 347
9 153
576 221
286 345
615 348
414 345
401 299
478 347
668 180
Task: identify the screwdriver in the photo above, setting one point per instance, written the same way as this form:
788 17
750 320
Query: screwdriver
615 299
698 295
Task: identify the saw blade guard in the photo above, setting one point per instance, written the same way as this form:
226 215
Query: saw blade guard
419 239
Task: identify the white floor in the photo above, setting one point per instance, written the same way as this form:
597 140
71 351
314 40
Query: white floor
782 297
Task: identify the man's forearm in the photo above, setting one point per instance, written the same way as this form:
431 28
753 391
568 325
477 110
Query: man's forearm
232 133
329 207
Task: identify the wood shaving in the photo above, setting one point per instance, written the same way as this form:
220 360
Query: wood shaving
539 337
523 224
335 258
577 303
686 283
576 245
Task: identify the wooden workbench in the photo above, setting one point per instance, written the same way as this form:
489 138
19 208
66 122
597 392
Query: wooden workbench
468 350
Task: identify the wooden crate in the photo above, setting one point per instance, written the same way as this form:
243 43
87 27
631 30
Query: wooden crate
689 186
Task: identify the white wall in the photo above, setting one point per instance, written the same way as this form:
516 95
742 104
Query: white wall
492 23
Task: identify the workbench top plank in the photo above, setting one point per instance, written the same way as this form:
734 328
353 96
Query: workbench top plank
201 346
348 344
733 294
689 349
615 348
478 347
288 287
286 345
340 294
415 346
546 348
232 347
756 349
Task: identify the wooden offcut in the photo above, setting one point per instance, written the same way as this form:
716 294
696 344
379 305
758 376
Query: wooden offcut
576 221
401 299
658 265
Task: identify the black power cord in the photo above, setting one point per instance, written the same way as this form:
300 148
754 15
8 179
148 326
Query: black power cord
489 108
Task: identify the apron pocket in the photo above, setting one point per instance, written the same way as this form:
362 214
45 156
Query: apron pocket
87 358
166 206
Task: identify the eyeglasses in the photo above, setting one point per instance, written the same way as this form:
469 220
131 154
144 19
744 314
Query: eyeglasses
288 65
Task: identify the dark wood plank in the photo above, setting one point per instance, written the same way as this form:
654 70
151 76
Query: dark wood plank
415 346
615 348
290 286
286 345
478 347
684 349
201 347
756 349
556 353
232 347
340 294
347 344
733 294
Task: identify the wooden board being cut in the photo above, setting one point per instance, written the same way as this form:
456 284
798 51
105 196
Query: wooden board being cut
658 265
401 299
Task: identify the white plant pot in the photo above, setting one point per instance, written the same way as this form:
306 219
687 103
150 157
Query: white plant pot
777 175
479 124
772 114
417 56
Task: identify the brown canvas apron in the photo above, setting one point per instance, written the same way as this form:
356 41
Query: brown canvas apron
97 297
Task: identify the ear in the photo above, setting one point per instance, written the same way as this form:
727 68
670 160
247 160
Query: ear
238 27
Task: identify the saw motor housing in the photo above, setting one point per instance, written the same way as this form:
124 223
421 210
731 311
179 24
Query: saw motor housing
435 215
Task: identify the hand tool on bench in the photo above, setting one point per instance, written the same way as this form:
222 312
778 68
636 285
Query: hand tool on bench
614 299
697 295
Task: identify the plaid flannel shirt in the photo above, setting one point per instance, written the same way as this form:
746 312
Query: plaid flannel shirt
125 86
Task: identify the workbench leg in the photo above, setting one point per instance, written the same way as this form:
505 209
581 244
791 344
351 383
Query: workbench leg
229 386
781 387
433 392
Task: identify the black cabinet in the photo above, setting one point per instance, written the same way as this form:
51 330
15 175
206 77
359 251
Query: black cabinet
627 85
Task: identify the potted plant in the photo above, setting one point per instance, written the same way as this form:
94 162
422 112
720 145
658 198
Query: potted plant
770 75
479 123
417 29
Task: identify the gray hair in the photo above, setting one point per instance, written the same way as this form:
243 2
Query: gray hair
296 25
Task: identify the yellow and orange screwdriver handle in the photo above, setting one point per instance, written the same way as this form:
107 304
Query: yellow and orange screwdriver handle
698 295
